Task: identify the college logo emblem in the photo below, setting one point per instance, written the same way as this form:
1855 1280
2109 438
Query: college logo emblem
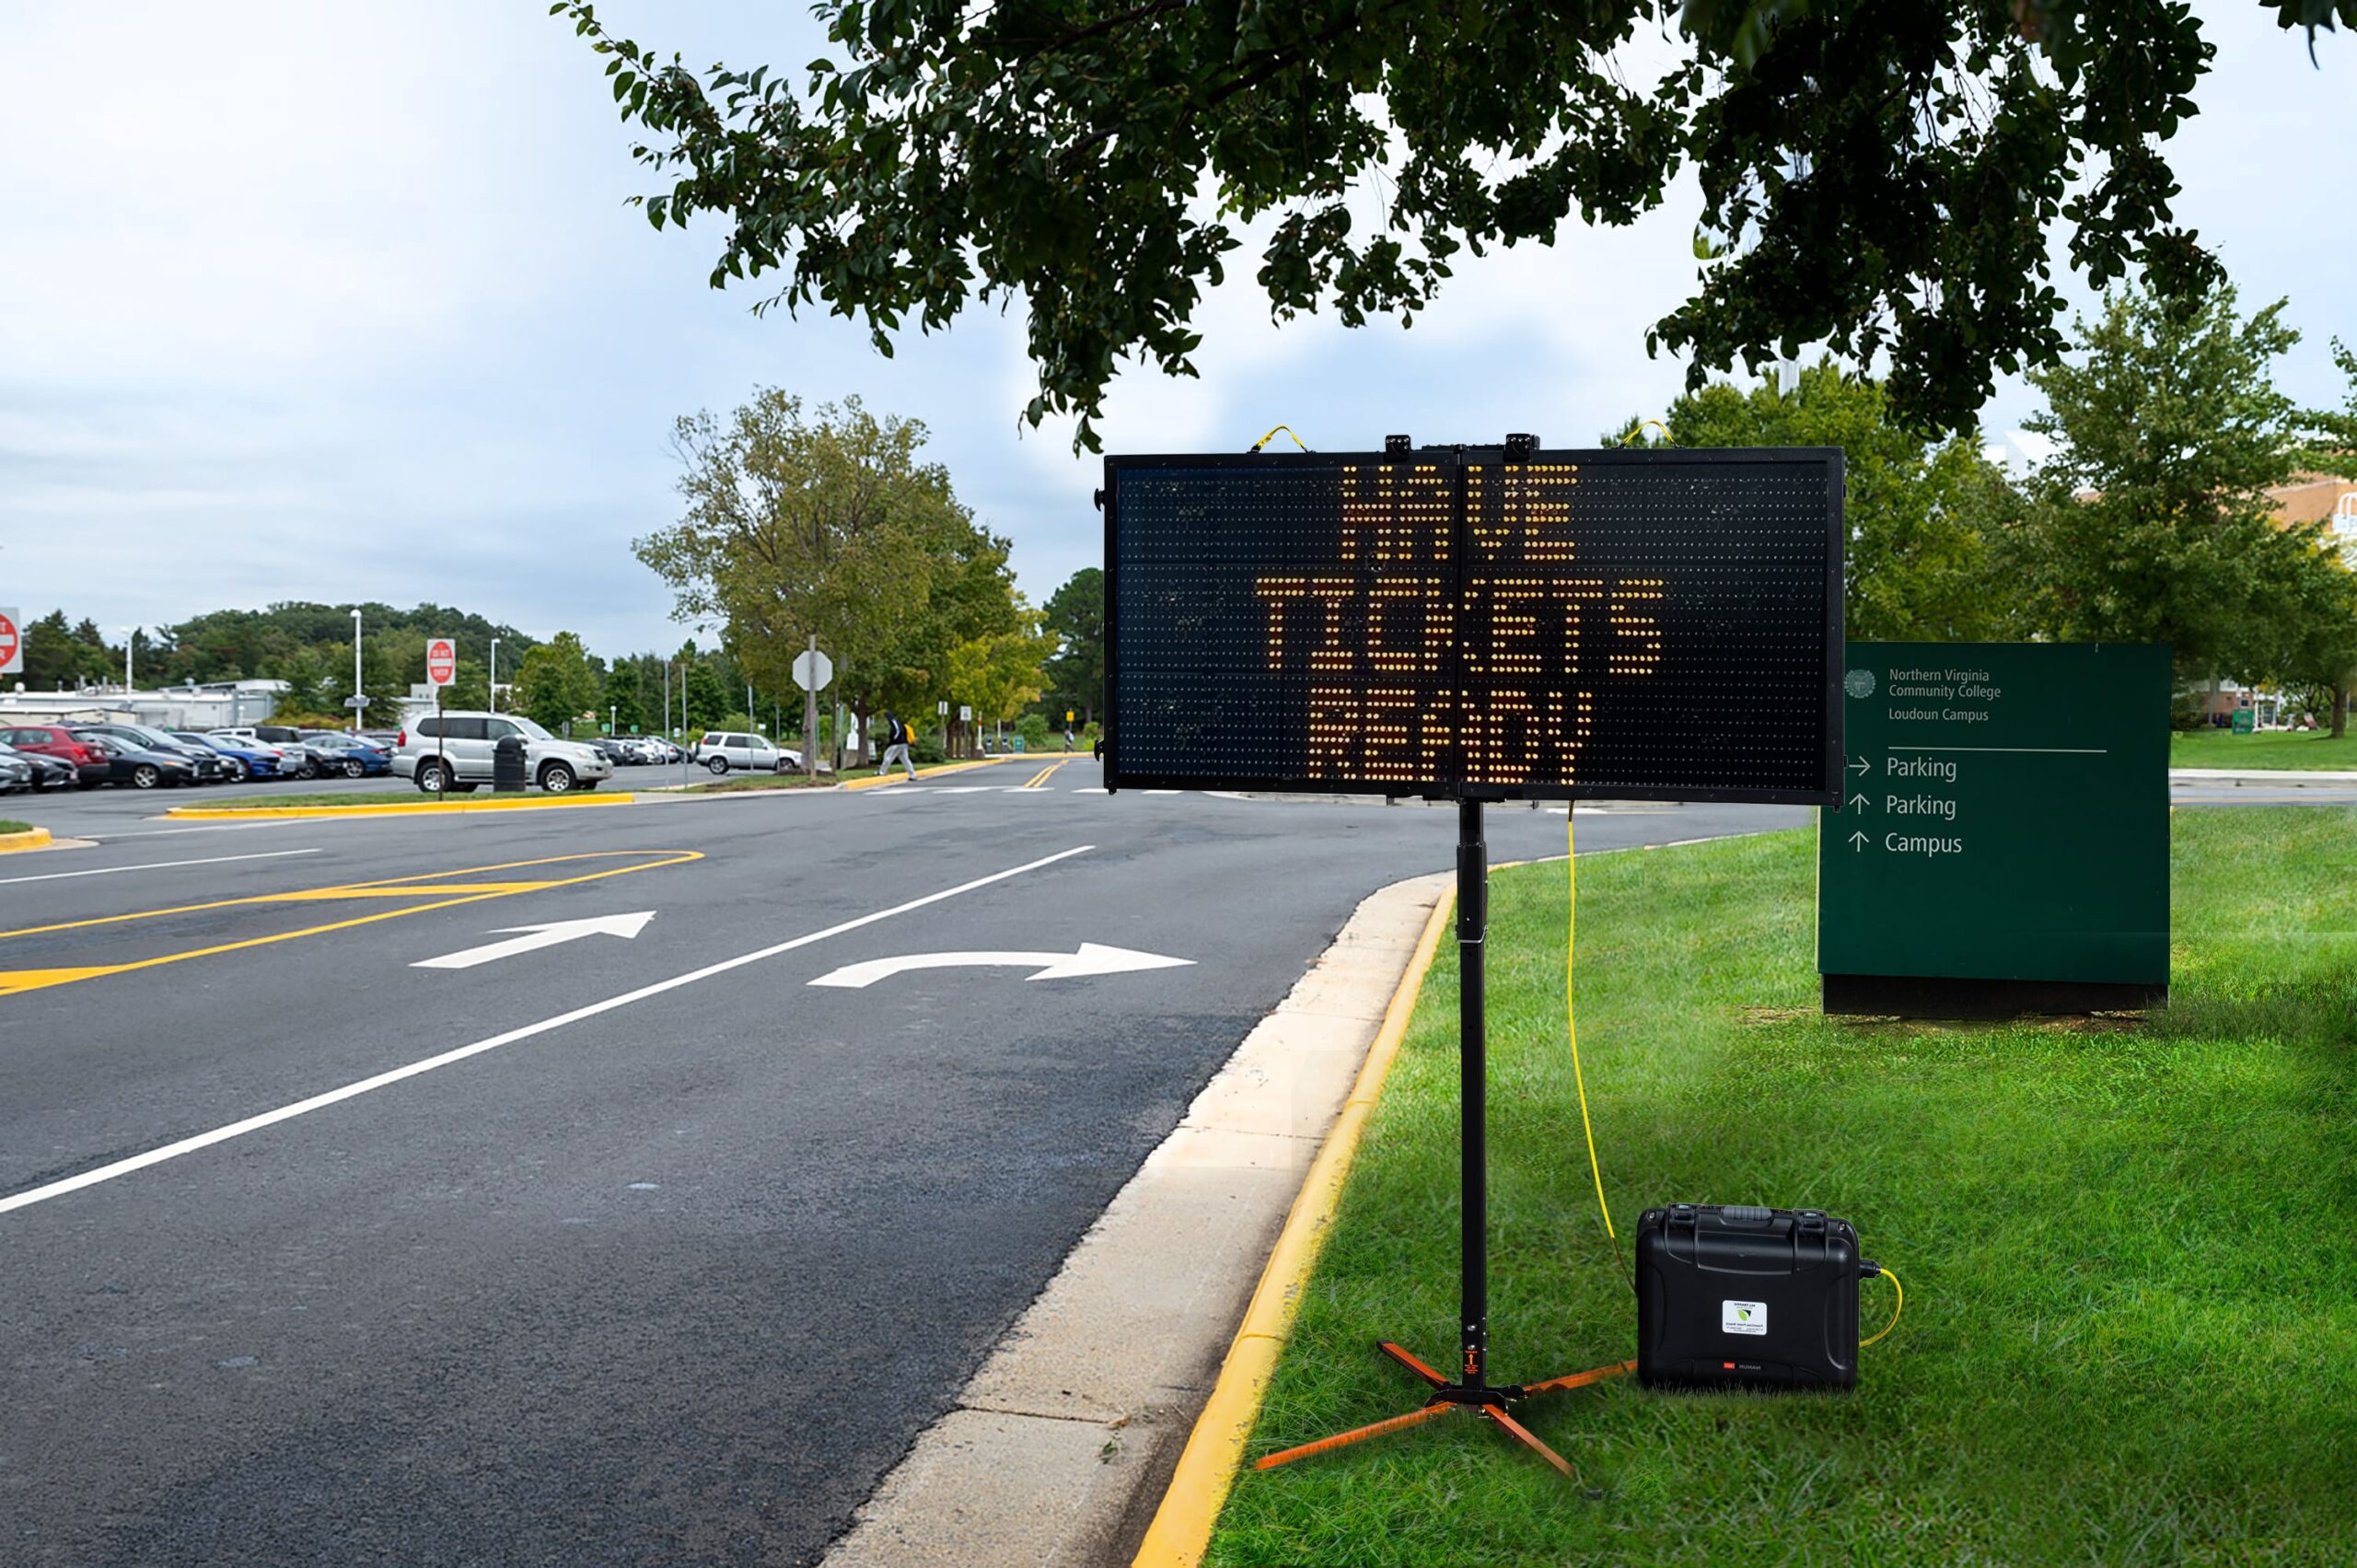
1859 683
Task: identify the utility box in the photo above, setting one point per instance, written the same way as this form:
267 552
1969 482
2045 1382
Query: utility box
2003 844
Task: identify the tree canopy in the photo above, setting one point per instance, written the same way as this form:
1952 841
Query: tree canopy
1920 515
1883 177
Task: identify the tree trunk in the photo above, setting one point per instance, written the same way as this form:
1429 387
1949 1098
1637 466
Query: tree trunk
2341 709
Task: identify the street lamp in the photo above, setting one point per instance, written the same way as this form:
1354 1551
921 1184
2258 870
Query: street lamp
494 675
130 646
356 709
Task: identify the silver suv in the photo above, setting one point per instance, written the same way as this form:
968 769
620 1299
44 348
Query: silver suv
465 743
722 749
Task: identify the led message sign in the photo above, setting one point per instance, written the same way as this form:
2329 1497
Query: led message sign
1464 621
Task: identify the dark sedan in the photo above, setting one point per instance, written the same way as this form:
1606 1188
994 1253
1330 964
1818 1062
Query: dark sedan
48 773
204 763
241 762
138 766
348 755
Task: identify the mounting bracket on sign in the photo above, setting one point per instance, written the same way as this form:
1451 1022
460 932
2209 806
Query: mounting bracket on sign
1521 448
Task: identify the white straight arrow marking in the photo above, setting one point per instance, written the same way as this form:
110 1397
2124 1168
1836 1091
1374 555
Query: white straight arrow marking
535 937
1091 959
1857 841
1858 799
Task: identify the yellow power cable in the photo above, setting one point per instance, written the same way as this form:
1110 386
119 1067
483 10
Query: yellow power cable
1634 431
1571 1025
1896 1307
1288 429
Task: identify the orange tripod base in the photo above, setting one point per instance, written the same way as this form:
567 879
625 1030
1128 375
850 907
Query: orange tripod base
1488 1403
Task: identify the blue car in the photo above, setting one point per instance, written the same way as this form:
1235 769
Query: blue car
353 757
239 760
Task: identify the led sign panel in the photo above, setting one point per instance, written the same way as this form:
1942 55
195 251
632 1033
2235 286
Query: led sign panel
1657 624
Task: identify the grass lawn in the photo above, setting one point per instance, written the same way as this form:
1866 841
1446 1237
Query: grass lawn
9 827
735 783
2130 1268
2268 748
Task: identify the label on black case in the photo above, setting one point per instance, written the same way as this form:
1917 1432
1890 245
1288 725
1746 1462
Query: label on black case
1743 1316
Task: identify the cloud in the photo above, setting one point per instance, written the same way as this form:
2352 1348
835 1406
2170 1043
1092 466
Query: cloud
343 303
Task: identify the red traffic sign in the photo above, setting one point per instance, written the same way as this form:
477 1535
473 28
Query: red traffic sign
441 660
11 644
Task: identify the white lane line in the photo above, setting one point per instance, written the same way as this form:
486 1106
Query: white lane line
218 828
158 866
352 1091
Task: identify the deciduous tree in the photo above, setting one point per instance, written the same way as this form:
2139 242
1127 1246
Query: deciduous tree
1884 179
2151 522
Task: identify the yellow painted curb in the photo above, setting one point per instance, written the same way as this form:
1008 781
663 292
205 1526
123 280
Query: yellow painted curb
1181 1531
937 770
31 838
218 813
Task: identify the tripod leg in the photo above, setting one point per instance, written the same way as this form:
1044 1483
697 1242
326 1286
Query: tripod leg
1411 1363
1498 1414
1359 1434
1580 1379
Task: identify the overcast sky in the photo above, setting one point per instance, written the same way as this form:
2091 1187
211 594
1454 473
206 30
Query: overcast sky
340 302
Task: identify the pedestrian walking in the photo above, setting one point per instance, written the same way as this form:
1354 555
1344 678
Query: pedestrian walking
896 747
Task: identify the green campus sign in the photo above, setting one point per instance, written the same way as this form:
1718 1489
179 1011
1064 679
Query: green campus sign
2002 842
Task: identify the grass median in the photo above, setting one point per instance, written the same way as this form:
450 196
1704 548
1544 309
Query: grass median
7 826
2129 1274
2297 751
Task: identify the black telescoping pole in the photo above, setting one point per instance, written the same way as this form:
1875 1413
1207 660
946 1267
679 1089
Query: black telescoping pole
1474 1179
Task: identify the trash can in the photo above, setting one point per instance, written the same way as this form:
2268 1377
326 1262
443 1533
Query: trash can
507 764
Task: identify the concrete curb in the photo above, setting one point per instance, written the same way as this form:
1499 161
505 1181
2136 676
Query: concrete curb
31 838
436 807
2271 778
1059 1449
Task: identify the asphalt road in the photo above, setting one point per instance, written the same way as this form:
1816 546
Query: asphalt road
665 1254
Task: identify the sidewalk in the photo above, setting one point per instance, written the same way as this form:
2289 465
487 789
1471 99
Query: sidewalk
2269 778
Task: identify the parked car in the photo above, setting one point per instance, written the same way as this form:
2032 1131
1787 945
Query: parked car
139 766
91 764
454 751
721 751
16 776
387 739
45 773
240 759
612 751
347 754
203 761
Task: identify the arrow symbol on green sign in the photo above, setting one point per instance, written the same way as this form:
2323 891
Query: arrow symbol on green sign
1859 767
1858 799
1858 840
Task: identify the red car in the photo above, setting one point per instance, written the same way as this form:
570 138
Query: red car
91 765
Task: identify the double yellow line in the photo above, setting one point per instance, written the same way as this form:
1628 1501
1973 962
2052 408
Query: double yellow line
1040 780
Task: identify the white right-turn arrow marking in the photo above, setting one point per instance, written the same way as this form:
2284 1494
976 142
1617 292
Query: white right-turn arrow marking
1090 958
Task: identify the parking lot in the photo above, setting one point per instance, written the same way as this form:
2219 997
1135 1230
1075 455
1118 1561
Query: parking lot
499 1187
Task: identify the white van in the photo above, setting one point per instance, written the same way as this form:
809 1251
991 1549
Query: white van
465 744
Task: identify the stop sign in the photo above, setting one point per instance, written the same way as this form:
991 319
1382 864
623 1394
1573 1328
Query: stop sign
441 660
12 643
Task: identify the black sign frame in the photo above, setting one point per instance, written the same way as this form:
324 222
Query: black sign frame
1829 461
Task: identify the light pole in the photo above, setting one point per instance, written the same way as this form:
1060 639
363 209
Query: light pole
130 647
494 675
356 709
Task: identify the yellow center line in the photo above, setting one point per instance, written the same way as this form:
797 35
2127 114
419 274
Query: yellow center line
1039 779
425 885
15 981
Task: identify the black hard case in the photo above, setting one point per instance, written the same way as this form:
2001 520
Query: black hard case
1737 1296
